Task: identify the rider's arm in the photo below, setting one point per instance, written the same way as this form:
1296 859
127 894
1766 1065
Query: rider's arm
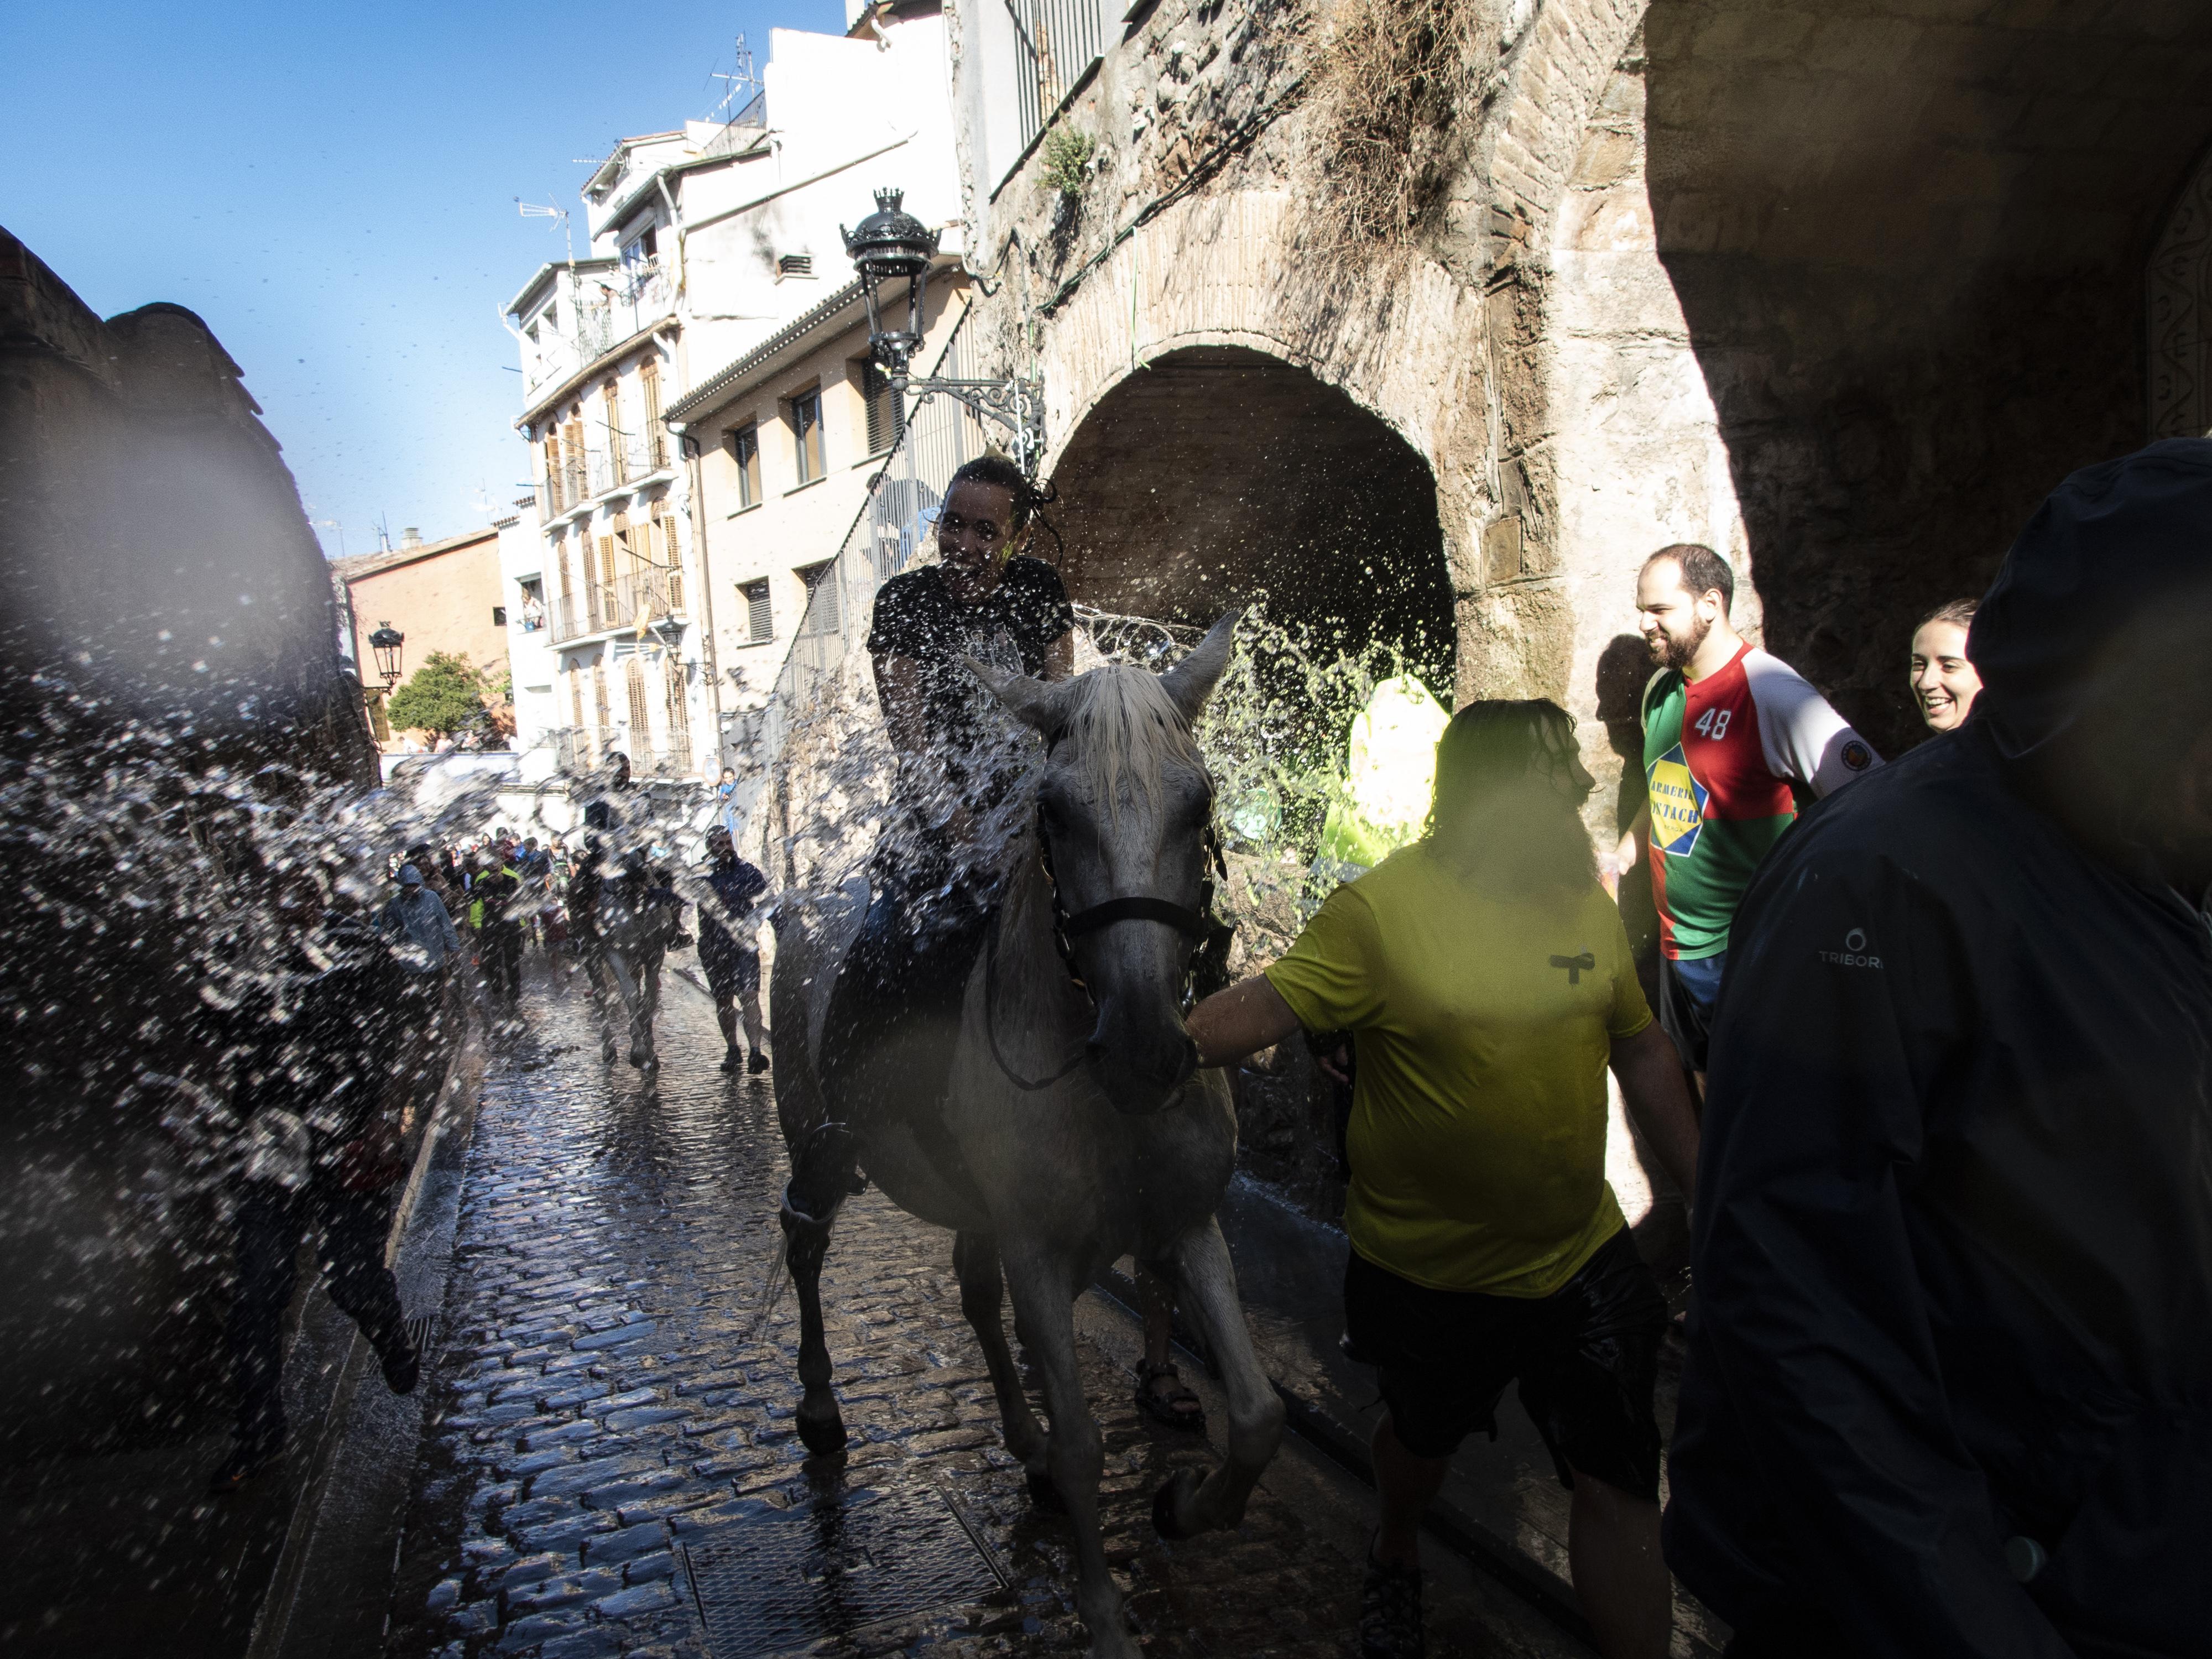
1250 1016
1649 1071
1059 657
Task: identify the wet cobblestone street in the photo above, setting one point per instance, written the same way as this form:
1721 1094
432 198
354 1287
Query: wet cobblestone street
608 1415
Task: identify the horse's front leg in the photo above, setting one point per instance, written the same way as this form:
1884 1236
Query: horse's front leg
1044 1315
806 1242
983 1294
1190 1502
647 1010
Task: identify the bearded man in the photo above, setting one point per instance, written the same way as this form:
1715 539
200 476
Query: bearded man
1727 731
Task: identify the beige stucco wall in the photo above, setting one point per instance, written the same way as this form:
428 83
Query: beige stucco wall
793 525
442 602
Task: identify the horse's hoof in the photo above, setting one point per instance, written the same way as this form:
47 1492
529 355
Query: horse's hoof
822 1436
1043 1493
1178 1490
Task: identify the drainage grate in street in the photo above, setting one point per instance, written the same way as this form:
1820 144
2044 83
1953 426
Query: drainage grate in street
871 1555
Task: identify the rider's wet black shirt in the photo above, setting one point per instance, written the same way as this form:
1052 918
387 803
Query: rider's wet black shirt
917 617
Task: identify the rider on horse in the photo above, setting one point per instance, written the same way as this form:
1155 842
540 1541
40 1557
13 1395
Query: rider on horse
896 1002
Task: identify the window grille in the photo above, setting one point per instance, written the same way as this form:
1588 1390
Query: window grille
1056 41
822 616
759 618
886 407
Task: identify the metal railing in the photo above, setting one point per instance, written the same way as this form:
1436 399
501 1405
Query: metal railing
636 601
580 749
628 303
1055 42
893 526
626 458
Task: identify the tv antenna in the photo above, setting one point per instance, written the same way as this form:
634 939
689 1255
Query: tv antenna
741 87
534 210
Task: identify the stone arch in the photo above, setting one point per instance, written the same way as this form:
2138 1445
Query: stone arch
1219 471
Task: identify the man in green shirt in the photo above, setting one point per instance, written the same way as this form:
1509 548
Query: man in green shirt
1487 982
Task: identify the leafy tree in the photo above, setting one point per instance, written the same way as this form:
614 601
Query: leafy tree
446 695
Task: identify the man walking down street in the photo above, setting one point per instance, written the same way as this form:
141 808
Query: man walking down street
1486 979
415 923
728 953
321 1159
1728 729
1950 1368
495 906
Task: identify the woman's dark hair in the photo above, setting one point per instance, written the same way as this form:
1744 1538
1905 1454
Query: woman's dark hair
1031 495
1502 743
1958 612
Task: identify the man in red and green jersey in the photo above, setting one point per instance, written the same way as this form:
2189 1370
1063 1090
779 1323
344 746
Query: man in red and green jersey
1727 730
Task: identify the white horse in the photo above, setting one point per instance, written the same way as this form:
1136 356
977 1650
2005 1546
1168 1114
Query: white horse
1076 1127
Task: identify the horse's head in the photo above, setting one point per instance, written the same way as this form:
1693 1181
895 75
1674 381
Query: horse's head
1125 807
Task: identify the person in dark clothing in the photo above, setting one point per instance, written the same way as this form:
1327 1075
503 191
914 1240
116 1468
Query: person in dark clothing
1949 1381
321 1161
895 1006
726 952
495 909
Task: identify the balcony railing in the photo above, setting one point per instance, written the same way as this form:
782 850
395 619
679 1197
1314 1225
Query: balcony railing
1055 42
631 301
582 749
625 460
630 602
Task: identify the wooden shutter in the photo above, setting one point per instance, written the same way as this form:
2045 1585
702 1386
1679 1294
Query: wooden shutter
673 560
552 447
656 437
759 618
609 616
599 689
821 616
640 718
886 409
679 717
576 692
617 439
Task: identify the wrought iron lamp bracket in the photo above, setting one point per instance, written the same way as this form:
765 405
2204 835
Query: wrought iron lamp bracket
1016 405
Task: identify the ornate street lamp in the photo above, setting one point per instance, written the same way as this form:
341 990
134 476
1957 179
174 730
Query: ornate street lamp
890 244
385 642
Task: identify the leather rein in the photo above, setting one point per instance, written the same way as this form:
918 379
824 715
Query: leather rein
1208 935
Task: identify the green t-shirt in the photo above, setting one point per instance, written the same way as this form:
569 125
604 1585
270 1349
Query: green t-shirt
1483 1027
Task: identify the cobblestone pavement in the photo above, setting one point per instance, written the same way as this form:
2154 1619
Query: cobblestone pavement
608 1407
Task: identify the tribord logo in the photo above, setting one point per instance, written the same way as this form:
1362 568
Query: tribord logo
1854 953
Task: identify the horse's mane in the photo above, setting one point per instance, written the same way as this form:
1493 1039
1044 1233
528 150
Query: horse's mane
1125 725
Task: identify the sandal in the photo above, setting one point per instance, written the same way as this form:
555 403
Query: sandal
1178 1408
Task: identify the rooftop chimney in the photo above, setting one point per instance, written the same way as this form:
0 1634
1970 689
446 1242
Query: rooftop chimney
411 536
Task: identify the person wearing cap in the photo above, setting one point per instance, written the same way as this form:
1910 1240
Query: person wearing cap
416 919
1948 1387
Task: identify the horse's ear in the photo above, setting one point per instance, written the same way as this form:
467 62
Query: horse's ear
1191 681
1028 700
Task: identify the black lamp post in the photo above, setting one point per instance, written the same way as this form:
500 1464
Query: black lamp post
890 244
385 642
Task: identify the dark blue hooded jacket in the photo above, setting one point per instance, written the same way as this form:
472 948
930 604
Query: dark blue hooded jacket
1953 1242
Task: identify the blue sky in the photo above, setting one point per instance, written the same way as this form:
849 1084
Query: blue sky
332 188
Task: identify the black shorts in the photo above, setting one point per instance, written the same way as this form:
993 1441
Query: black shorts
735 972
1687 993
1587 1357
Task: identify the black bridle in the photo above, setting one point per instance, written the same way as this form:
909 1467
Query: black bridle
1206 972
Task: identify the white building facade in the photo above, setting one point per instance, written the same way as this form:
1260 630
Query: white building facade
701 244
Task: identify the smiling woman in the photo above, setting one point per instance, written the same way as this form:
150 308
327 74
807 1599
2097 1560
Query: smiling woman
1944 682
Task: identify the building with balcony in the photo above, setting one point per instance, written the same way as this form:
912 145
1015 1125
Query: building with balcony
445 595
701 244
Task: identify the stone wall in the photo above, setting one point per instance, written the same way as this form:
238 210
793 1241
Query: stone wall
170 685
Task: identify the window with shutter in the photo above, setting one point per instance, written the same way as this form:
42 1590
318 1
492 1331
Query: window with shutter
656 436
744 453
574 484
608 615
806 435
760 619
553 500
617 441
886 407
576 692
591 585
821 614
676 715
599 689
672 562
